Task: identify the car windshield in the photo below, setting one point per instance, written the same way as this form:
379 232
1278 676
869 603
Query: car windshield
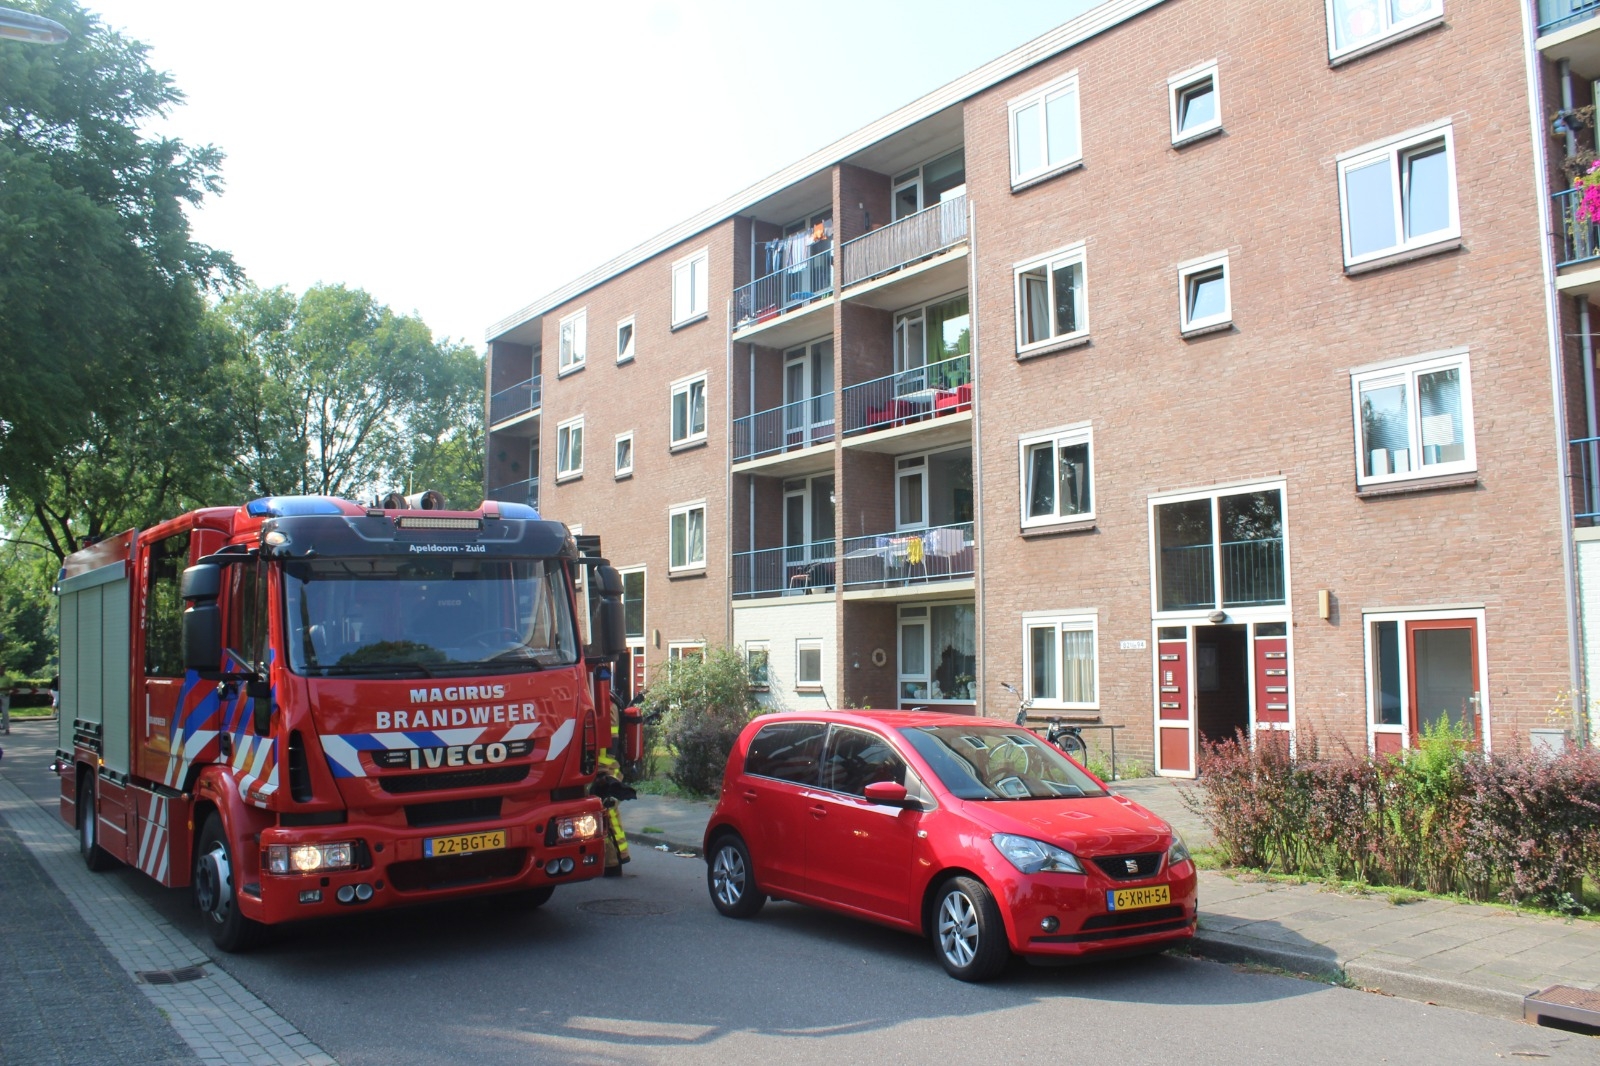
996 762
395 616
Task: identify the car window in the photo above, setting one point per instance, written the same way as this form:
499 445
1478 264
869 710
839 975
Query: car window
998 762
789 751
856 758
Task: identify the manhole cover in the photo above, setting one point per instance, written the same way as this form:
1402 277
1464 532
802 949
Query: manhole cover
171 977
625 908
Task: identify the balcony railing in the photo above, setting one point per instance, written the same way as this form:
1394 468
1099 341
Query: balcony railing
909 557
928 232
783 429
1559 14
775 571
519 399
1580 237
1586 468
1252 575
524 491
926 392
784 290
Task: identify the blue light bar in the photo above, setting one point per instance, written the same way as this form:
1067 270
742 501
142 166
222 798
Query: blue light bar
287 506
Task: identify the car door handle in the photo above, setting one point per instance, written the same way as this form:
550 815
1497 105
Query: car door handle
749 795
818 811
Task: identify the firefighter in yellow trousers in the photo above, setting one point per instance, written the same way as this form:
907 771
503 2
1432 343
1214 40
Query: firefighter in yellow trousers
609 787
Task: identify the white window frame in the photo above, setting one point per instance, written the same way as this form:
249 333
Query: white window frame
1396 151
684 387
624 470
567 429
1408 371
1067 436
1041 97
625 349
1179 87
1189 274
1269 611
678 650
752 648
1071 255
802 683
1389 26
1059 622
686 509
693 271
573 343
1477 615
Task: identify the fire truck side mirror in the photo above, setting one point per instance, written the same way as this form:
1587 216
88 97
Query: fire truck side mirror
202 620
613 635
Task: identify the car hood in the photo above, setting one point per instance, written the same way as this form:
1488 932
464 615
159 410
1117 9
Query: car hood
1087 826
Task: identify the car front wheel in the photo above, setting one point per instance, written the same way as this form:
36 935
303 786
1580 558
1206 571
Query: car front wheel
732 881
969 936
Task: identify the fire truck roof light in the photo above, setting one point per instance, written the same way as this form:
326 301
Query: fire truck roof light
432 522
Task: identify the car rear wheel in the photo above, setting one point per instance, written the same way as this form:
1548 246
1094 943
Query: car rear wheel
969 936
731 879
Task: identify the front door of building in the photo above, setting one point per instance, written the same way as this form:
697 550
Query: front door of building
1216 681
1444 675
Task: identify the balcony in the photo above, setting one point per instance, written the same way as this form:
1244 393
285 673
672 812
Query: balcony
801 568
793 427
1586 469
1578 247
923 397
1252 575
781 306
908 558
908 261
1570 30
519 399
524 491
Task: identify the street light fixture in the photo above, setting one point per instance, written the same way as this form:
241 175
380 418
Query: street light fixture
30 28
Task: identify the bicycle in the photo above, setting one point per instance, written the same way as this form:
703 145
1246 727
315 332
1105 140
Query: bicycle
1068 739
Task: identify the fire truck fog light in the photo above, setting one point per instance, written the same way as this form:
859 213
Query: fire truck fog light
577 827
345 894
311 895
590 860
363 892
1050 924
307 858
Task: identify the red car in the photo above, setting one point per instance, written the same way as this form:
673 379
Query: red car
971 831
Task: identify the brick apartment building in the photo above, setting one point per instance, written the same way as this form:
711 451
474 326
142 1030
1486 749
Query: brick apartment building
1200 365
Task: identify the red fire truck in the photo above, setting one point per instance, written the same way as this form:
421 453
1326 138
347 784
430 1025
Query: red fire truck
304 706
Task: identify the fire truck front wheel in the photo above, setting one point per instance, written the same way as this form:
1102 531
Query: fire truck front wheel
217 894
96 858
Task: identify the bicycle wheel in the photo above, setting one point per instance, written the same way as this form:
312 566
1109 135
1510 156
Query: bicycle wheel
1073 745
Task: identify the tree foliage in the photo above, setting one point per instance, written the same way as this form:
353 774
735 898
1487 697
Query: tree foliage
706 701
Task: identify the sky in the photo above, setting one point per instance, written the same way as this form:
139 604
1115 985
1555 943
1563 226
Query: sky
459 161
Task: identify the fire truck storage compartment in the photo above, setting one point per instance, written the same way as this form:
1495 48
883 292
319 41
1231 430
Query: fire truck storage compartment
94 660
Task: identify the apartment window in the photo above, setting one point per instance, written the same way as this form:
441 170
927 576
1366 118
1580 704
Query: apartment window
687 525
625 453
1353 24
690 287
689 410
574 341
1051 302
938 653
1414 419
569 448
1399 196
1044 130
1425 669
1203 294
1060 661
625 340
680 650
1219 550
808 664
757 659
1193 103
1056 477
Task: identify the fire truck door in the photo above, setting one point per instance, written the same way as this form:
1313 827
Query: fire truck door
159 671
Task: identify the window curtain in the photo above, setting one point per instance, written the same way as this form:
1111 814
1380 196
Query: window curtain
1077 666
953 633
1036 307
1439 404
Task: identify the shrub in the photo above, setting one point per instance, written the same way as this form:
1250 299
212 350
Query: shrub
705 703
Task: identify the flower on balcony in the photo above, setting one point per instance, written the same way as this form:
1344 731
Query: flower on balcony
1589 197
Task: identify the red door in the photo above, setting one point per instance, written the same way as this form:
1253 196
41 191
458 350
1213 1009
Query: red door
859 854
1174 703
1442 656
1271 685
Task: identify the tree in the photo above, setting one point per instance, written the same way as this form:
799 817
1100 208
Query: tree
707 701
442 444
340 396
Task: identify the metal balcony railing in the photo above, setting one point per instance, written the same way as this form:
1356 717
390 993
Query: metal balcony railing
519 399
1252 575
1559 14
524 491
928 232
909 557
784 290
783 429
795 569
1586 469
926 392
1580 237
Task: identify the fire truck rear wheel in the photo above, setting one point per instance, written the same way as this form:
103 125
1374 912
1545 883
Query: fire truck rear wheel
217 893
96 858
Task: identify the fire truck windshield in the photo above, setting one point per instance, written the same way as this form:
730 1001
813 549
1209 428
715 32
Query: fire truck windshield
388 616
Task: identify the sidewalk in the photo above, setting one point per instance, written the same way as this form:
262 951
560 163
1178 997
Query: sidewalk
1470 956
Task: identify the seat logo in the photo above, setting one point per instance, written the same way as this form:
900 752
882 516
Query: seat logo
1132 865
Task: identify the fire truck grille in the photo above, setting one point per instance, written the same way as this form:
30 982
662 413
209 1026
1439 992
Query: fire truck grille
450 779
423 875
450 812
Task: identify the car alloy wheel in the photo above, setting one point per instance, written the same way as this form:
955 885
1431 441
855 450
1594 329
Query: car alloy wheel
733 887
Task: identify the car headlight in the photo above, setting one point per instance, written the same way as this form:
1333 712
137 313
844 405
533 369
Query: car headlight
1035 856
309 858
1179 850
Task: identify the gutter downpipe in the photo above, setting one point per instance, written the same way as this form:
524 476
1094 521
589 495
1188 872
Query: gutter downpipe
1557 378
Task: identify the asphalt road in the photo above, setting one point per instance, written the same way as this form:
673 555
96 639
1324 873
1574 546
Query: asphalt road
641 970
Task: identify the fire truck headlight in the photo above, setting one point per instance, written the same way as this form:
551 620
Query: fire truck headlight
308 858
577 827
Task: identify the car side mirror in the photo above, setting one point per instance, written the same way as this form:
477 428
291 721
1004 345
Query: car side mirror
889 794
